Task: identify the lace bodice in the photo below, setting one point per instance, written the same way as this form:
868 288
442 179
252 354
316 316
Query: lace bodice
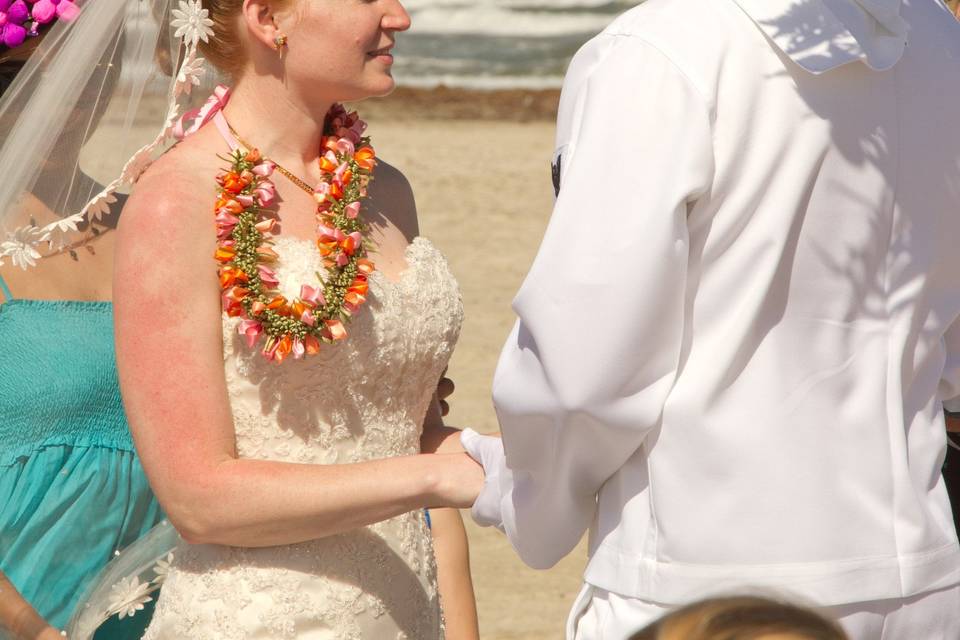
360 399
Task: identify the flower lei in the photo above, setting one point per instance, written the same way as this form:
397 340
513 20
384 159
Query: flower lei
20 20
296 327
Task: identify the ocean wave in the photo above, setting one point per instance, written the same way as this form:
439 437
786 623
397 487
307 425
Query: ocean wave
505 22
479 82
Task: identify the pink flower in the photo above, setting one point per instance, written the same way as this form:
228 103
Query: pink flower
307 318
13 35
67 10
245 199
270 349
226 218
352 210
44 11
313 295
267 276
298 349
346 147
341 170
18 12
251 330
266 193
264 169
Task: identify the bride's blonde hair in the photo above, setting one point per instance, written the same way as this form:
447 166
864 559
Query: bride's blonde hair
225 49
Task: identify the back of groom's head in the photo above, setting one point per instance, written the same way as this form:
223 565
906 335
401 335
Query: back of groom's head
742 618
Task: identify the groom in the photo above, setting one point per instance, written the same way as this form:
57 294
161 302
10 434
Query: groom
736 343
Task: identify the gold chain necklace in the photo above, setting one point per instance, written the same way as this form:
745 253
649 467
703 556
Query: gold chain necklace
289 175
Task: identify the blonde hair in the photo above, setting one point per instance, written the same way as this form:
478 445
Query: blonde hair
225 49
741 618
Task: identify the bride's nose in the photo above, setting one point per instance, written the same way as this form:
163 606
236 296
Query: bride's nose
396 18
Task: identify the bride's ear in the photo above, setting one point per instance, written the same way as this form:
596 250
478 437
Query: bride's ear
261 24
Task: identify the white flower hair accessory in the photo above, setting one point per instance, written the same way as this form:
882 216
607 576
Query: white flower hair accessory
192 23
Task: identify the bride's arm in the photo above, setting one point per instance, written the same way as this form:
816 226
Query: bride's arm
170 361
450 542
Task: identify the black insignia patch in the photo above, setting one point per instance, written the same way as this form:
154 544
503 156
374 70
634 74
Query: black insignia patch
556 167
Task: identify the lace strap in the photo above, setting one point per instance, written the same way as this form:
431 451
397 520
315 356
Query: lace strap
7 296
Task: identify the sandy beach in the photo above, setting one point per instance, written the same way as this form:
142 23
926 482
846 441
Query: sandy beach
484 196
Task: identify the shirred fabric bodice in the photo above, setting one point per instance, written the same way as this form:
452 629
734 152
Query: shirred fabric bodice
72 490
360 399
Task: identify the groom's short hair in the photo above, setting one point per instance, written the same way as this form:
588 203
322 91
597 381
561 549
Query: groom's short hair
741 618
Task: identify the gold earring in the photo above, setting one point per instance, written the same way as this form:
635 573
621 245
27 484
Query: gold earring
280 41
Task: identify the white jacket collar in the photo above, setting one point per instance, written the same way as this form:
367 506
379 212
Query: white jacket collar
821 35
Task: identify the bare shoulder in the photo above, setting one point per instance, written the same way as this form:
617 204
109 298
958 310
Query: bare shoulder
392 196
170 203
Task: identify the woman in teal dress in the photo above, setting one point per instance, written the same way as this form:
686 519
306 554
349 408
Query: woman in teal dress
72 491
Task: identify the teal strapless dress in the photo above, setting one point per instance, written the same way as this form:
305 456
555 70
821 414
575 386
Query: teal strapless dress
72 491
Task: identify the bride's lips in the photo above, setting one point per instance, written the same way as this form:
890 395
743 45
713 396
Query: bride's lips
384 54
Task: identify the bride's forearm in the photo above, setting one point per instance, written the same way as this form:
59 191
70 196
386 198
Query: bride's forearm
258 503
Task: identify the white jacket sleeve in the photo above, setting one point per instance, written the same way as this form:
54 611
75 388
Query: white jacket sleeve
950 384
585 373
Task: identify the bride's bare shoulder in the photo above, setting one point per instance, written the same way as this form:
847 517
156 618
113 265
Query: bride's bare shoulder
175 194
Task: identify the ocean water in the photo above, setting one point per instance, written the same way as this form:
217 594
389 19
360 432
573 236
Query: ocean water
491 44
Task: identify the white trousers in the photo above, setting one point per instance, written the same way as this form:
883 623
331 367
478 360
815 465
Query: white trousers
602 615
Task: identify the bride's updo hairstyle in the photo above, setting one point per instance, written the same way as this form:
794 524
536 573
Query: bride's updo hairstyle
225 49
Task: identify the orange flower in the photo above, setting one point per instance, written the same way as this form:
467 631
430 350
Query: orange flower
328 164
266 253
253 156
236 293
354 298
257 308
232 183
284 348
266 226
360 286
224 254
335 330
231 275
312 345
299 306
279 302
365 266
366 158
326 248
233 207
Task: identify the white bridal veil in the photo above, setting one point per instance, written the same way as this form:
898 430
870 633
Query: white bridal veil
90 107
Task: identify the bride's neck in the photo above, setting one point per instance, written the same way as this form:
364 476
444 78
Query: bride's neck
266 115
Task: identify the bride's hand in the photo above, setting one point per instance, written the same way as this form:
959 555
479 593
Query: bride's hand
460 481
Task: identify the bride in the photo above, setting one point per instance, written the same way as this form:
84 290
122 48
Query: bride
276 377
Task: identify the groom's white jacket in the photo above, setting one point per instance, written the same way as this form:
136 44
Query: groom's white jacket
735 344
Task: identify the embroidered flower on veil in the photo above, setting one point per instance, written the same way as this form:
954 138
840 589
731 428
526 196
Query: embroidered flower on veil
128 596
20 246
189 76
192 22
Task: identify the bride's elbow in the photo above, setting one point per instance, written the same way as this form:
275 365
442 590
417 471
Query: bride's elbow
195 526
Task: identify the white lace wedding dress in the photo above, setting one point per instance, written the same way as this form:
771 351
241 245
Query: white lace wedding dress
361 399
